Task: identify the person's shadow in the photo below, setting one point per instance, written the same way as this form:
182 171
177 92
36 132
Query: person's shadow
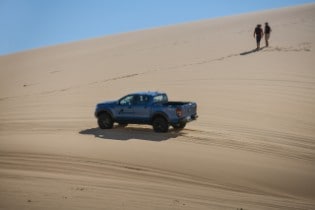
123 134
252 51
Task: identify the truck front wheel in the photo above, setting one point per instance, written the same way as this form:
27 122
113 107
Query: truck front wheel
160 125
105 121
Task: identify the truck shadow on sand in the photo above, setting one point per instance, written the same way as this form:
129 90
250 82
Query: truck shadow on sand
123 134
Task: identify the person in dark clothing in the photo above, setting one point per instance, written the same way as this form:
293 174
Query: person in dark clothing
267 33
258 33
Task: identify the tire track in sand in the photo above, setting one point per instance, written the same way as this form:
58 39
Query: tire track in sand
95 180
256 140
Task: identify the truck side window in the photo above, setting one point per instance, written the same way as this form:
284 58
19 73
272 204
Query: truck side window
141 99
160 98
128 100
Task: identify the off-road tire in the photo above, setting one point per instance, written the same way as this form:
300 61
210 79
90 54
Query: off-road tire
179 126
105 121
160 125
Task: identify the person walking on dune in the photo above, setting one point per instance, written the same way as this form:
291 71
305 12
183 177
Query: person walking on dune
258 33
267 33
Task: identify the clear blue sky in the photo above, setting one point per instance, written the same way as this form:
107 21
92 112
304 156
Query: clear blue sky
27 24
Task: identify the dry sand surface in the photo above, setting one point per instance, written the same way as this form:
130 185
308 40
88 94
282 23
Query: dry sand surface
253 146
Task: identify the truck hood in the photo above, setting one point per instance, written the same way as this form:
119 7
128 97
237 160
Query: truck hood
106 103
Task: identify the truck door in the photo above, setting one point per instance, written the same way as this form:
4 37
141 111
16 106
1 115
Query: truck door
124 110
141 108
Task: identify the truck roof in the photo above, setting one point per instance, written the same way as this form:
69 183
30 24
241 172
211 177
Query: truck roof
150 93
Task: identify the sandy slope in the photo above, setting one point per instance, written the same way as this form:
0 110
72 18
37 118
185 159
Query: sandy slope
253 146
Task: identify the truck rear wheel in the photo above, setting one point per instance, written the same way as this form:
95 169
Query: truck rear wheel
179 125
160 125
105 121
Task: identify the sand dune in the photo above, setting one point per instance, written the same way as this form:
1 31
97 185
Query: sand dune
253 146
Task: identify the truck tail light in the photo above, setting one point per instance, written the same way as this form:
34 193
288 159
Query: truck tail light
179 112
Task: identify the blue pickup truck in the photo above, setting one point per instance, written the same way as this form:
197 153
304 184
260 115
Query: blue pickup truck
151 108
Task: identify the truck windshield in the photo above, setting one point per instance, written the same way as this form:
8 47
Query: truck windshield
160 98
